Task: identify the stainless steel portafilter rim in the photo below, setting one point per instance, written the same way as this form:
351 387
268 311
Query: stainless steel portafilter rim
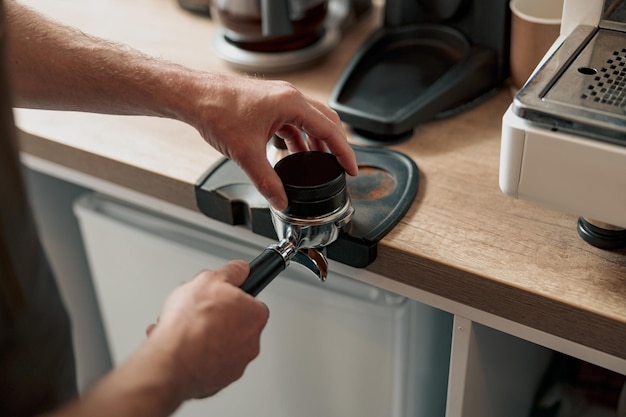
312 232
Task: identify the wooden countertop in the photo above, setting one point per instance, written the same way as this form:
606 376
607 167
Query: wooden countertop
462 238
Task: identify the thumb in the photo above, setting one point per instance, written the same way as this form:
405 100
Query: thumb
234 272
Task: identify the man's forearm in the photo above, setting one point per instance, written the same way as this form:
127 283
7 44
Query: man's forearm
58 67
141 387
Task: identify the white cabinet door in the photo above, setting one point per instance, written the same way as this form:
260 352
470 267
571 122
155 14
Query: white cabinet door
341 348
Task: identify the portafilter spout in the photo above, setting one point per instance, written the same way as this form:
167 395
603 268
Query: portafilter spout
318 207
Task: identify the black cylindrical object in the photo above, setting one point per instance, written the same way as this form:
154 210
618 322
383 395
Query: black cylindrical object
315 184
263 269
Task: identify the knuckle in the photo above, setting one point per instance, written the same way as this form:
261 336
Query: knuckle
288 90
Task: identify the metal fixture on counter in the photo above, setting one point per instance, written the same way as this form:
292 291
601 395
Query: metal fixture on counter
318 208
281 35
271 25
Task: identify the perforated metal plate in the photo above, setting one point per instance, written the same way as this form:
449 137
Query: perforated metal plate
581 87
596 79
607 88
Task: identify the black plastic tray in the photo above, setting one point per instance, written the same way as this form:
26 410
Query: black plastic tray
403 76
381 195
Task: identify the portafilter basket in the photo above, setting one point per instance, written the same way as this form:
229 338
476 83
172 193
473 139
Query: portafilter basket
318 206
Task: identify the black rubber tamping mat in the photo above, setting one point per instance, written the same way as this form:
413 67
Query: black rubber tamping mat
381 195
402 77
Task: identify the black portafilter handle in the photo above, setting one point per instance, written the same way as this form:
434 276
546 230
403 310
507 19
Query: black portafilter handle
315 184
263 269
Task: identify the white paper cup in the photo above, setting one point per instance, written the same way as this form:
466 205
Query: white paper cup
535 25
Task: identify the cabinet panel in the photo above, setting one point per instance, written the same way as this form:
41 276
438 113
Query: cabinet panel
492 374
51 201
342 348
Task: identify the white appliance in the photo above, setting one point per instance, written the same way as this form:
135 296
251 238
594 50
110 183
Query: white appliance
564 135
341 348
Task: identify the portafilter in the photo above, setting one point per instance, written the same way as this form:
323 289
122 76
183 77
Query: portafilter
318 207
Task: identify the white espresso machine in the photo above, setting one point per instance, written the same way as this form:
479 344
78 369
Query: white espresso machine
564 135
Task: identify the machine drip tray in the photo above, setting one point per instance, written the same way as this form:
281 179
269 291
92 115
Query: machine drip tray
581 87
381 195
